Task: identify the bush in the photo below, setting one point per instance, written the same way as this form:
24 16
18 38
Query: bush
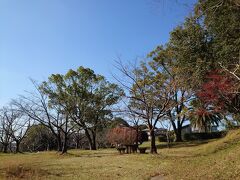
142 150
122 136
162 138
38 138
204 136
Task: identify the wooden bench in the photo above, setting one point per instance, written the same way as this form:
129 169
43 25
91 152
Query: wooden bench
142 150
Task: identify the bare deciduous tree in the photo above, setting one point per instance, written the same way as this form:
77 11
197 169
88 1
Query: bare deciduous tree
14 127
38 107
149 94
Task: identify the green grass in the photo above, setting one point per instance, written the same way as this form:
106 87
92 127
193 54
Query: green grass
217 159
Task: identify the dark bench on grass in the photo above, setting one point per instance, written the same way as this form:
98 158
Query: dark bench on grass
121 150
142 150
131 148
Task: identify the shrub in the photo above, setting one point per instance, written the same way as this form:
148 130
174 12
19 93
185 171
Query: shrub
122 136
162 138
204 136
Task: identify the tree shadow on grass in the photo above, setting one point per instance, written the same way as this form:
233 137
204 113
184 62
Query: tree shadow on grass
92 154
181 144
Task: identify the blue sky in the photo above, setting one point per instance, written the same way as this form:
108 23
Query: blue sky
42 37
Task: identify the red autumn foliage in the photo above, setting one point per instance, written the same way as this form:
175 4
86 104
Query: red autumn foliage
122 136
219 90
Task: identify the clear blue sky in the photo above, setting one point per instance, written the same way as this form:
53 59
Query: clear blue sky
41 37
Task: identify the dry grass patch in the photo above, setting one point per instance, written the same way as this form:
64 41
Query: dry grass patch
218 159
21 172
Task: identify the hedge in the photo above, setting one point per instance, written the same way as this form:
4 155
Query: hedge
204 136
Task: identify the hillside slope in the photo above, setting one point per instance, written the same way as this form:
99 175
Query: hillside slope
218 159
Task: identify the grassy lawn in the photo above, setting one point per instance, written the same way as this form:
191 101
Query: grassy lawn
219 159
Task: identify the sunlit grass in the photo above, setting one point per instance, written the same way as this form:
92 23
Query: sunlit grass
218 159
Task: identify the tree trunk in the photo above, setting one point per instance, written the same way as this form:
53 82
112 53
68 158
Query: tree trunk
153 148
168 139
88 138
178 132
5 148
91 141
59 143
77 144
137 138
10 147
17 147
94 145
65 147
65 144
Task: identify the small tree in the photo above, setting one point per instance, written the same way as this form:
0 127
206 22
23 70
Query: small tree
149 95
39 138
14 126
39 108
6 124
164 61
203 117
121 136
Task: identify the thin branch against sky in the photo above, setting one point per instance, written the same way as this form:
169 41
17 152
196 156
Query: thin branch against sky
39 38
164 6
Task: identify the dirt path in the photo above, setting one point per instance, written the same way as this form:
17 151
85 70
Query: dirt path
157 178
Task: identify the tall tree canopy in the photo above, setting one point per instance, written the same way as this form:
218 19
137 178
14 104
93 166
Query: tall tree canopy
164 62
85 97
207 39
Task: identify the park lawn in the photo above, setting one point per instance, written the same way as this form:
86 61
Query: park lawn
218 159
101 164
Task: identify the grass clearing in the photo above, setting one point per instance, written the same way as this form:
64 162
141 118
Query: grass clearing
217 159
